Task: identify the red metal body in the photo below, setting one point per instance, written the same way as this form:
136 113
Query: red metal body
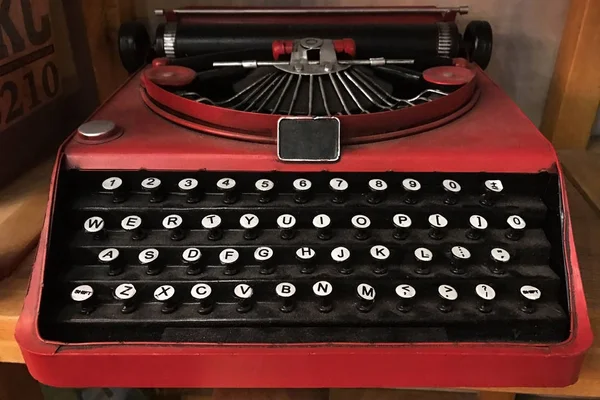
492 136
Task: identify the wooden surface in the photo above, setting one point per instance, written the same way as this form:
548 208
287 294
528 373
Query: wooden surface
574 91
583 169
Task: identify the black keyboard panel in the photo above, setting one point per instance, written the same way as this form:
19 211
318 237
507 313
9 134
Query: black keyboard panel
366 276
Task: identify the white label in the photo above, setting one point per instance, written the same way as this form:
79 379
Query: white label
405 291
448 292
211 221
131 222
402 221
263 253
172 221
322 288
500 255
366 292
125 291
286 221
243 291
338 184
82 293
229 256
302 185
112 183
264 185
226 184
423 254
321 221
516 222
150 183
108 255
461 252
494 185
340 254
191 255
451 186
201 291
486 292
361 222
478 222
377 185
380 252
305 253
411 185
93 224
285 289
147 256
438 221
249 221
531 292
164 292
188 184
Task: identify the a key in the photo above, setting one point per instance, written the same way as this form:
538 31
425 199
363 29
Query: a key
243 294
126 293
406 294
153 186
377 190
366 295
174 224
323 290
448 295
286 291
84 296
202 292
189 186
166 295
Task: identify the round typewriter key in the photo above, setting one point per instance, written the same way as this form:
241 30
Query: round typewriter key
401 224
110 258
264 257
438 224
154 186
149 257
174 223
423 257
341 255
84 295
264 187
115 185
530 294
302 190
286 223
95 226
228 258
244 295
323 224
202 292
492 189
249 222
486 294
460 255
323 290
500 258
477 227
126 292
189 186
306 256
411 188
166 295
448 294
366 294
516 227
212 222
380 255
339 187
286 291
191 257
406 293
452 189
227 186
377 188
361 223
133 224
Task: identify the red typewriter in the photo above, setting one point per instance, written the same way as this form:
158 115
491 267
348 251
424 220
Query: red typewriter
323 197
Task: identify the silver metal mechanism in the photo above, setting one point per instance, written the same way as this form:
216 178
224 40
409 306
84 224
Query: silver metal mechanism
169 37
444 40
299 63
97 129
315 11
255 64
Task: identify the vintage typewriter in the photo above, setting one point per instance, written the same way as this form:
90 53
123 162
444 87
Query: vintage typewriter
325 197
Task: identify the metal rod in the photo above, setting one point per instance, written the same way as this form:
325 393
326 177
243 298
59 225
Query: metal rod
339 10
323 95
339 94
285 88
295 95
271 88
364 110
310 93
256 64
253 92
364 91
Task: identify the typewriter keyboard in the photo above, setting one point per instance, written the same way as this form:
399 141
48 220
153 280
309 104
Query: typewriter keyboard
241 257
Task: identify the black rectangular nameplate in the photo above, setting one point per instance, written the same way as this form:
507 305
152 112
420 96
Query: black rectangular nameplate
308 139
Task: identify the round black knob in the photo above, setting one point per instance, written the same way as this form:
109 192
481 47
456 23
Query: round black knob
166 295
149 258
361 223
424 257
264 257
438 225
448 295
229 259
110 257
366 295
249 222
492 191
339 187
202 292
134 45
189 186
411 190
486 294
212 222
174 224
227 186
477 227
500 258
126 293
286 223
529 294
402 223
341 256
192 258
302 190
95 227
478 42
306 256
516 227
116 187
243 293
323 224
265 189
84 296
153 186
377 189
381 256
406 294
459 257
323 290
452 189
286 291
